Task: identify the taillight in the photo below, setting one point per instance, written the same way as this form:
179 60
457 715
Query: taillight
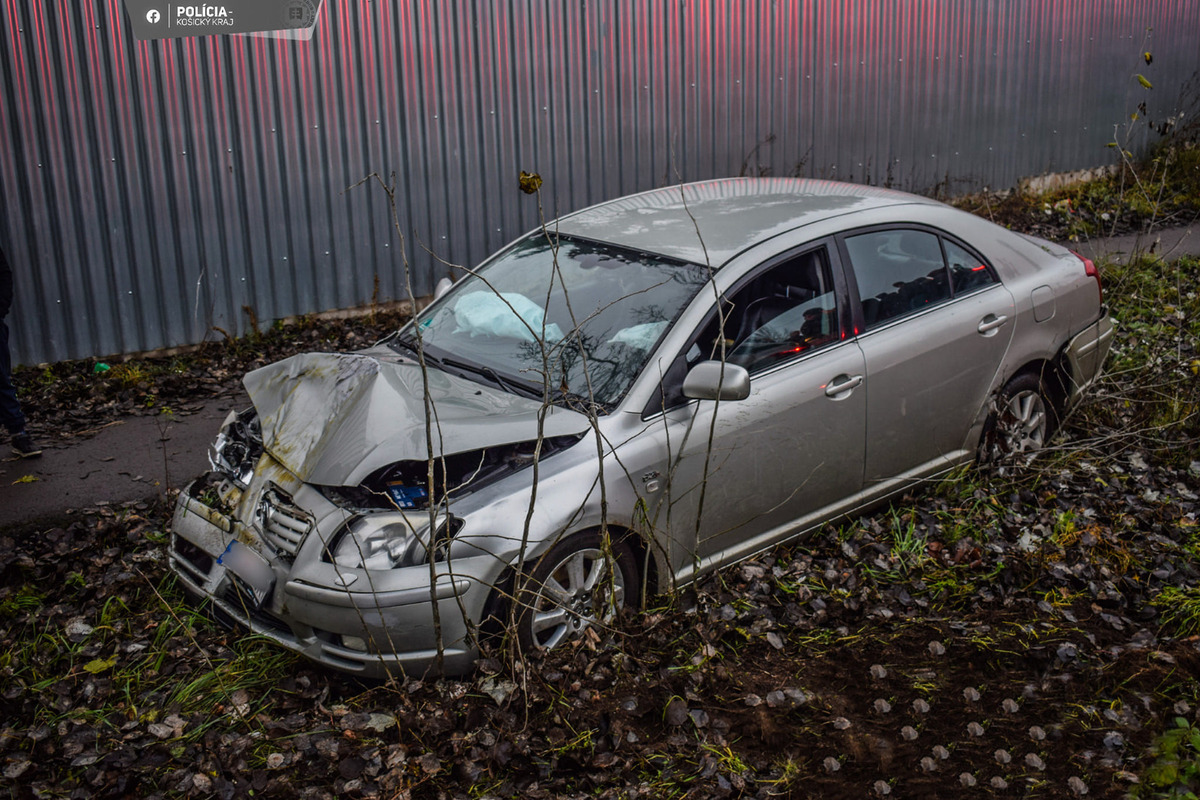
1089 267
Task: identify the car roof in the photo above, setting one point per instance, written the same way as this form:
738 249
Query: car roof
710 222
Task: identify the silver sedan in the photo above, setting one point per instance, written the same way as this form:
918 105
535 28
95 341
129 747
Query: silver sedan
633 395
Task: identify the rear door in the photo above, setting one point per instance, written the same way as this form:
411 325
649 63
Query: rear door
934 323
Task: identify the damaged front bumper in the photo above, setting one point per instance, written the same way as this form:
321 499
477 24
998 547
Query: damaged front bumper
273 577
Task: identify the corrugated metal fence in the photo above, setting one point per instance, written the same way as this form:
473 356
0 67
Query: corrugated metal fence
154 190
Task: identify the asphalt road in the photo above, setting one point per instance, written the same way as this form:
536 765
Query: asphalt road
139 457
1168 243
132 459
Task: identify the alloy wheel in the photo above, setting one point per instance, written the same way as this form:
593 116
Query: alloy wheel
581 590
1023 424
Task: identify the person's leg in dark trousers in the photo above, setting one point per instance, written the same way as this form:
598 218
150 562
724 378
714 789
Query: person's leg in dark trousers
10 410
11 416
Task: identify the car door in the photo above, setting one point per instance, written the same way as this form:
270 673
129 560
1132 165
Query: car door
742 474
934 326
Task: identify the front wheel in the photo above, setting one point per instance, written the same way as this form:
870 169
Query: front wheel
582 581
1021 423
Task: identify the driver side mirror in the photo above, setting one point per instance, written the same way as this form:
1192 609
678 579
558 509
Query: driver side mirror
441 288
714 380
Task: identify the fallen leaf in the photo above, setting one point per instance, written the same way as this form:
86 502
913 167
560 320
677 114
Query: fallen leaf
96 666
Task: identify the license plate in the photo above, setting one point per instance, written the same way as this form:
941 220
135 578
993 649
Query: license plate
250 572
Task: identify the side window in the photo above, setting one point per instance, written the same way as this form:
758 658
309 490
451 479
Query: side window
898 272
784 312
967 272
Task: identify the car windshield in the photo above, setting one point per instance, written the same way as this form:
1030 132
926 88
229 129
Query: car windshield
580 315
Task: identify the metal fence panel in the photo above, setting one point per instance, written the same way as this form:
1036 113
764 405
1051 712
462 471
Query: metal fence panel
159 192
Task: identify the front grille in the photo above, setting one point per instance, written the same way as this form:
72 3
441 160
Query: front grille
284 524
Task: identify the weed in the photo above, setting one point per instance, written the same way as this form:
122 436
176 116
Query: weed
1175 772
727 761
1064 533
925 687
26 598
486 788
1180 609
114 609
583 741
907 554
255 334
815 639
908 546
1149 392
129 374
789 773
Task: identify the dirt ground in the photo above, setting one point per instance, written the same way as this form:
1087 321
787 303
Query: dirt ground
1026 659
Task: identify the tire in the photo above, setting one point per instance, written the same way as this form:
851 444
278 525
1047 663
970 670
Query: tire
579 583
1021 422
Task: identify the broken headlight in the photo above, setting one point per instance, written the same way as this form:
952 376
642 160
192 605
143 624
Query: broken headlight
366 542
238 447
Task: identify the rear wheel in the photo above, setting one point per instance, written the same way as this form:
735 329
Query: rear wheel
1021 423
581 582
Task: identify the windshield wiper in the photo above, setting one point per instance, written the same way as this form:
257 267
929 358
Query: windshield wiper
508 384
416 349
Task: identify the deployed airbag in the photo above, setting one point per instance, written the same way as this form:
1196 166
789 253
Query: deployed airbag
508 314
641 336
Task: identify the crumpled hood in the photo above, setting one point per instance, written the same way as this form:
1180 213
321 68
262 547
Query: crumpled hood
333 419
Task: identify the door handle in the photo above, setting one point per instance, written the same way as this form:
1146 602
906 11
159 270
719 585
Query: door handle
842 385
991 323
